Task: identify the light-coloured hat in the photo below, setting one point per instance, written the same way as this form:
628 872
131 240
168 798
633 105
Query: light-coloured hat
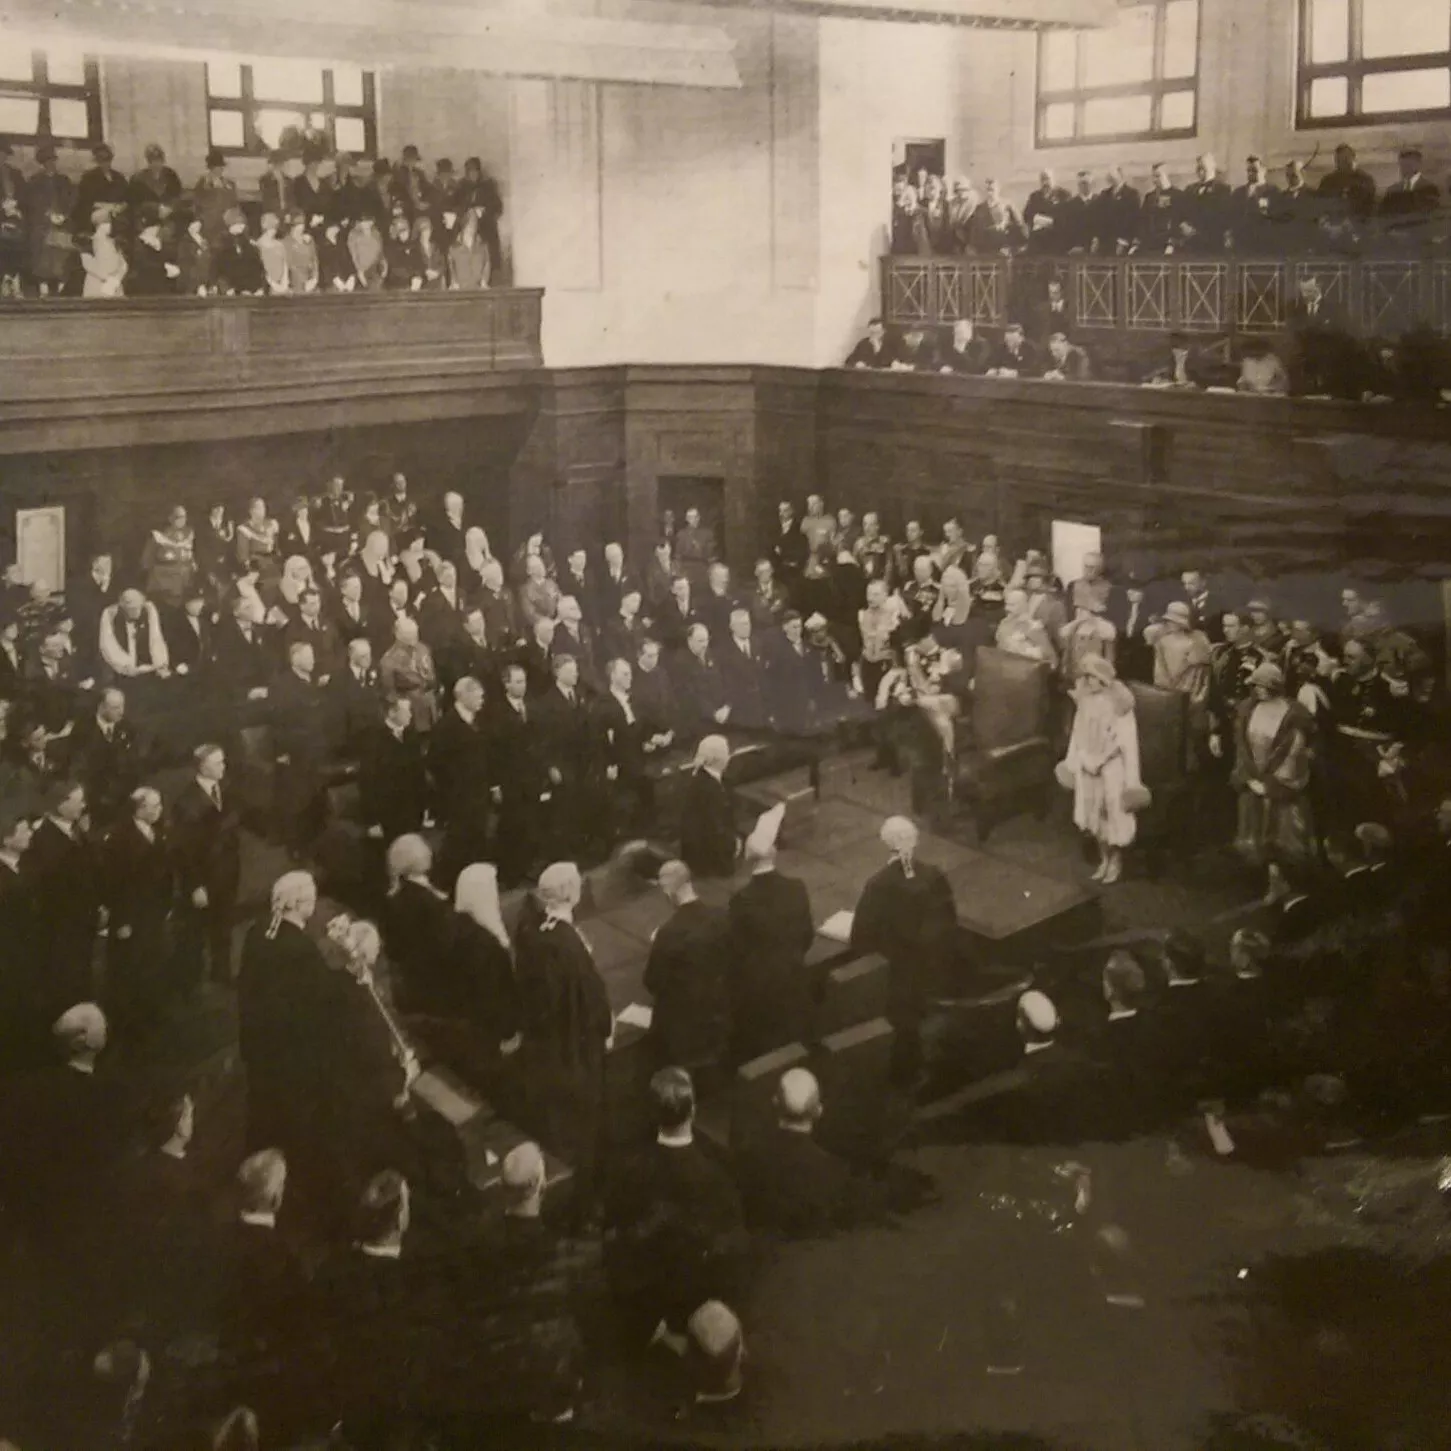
1179 612
1269 675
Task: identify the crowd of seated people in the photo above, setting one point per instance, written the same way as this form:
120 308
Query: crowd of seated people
1344 213
317 225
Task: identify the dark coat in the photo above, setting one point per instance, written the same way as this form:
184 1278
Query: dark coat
912 923
393 782
458 756
773 992
687 974
794 1187
708 842
207 843
66 877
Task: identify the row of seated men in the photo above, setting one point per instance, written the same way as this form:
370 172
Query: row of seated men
201 240
1317 357
1342 212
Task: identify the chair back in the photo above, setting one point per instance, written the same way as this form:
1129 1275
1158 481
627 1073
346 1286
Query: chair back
1009 699
1163 721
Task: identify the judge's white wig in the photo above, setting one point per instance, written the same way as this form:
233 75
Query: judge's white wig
476 895
714 752
81 1029
293 892
409 856
560 885
899 834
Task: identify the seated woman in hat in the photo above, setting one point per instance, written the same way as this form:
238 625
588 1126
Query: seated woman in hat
104 265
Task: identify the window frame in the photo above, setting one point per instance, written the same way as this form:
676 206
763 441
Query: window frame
248 104
42 89
1155 88
1354 69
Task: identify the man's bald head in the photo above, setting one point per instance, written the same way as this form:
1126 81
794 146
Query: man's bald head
560 885
675 880
798 1098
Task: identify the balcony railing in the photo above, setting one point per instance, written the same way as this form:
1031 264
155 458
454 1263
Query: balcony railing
1249 296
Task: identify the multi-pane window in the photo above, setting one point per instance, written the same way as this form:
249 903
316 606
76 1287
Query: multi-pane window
48 95
1135 79
250 104
1367 61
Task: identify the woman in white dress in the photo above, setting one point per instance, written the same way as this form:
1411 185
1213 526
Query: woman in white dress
1102 764
104 264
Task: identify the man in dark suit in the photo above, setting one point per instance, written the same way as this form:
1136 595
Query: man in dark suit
189 635
501 614
458 755
12 659
628 741
907 913
350 612
104 755
654 689
715 605
569 748
140 893
687 974
676 616
296 708
744 673
1013 356
708 841
1042 215
874 350
471 653
312 628
703 696
86 598
572 636
355 701
446 530
1160 214
1053 313
678 1232
518 778
577 579
1410 202
624 631
790 1184
1205 209
774 993
1116 216
21 973
1183 368
206 836
66 882
441 612
393 780
1066 362
1323 355
615 581
244 669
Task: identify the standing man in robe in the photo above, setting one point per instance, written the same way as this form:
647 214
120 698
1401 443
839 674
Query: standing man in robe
206 836
708 842
568 1027
773 994
906 913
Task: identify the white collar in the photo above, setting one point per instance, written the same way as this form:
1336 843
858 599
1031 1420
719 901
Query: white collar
1031 1048
1119 1013
259 1218
621 696
382 1251
145 828
1184 982
11 859
467 716
82 1065
763 869
675 1138
559 914
67 827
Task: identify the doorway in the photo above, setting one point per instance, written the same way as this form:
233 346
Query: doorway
911 157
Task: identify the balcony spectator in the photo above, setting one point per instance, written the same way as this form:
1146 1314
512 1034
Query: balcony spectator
365 247
380 199
238 268
153 272
468 259
1161 213
963 204
1410 201
1067 362
429 256
50 199
155 186
1204 210
1052 312
1295 214
909 225
1182 369
1254 202
311 195
1043 216
214 197
411 185
1076 218
1260 370
937 217
1014 356
274 191
967 353
873 351
1117 216
194 261
402 270
443 191
478 192
300 252
273 254
997 229
1351 190
101 186
347 200
336 271
104 265
1323 354
915 355
12 224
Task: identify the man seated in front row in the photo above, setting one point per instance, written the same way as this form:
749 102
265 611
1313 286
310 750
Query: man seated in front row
1067 362
1014 356
873 351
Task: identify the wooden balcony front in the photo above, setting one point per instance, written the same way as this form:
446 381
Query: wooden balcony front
89 374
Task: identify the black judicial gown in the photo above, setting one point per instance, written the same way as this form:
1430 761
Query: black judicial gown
708 827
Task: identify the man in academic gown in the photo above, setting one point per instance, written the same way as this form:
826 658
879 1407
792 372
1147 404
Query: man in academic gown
906 913
567 1027
64 872
458 756
206 836
687 974
773 992
708 842
355 701
519 778
140 885
568 745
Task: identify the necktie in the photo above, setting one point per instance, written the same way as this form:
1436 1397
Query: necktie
215 792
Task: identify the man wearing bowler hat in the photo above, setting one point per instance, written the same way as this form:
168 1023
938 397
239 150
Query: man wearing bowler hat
101 186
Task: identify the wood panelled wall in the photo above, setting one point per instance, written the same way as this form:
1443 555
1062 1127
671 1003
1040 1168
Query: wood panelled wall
1274 490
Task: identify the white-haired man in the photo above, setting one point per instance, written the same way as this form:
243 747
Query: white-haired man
907 913
708 841
568 1025
140 892
132 643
